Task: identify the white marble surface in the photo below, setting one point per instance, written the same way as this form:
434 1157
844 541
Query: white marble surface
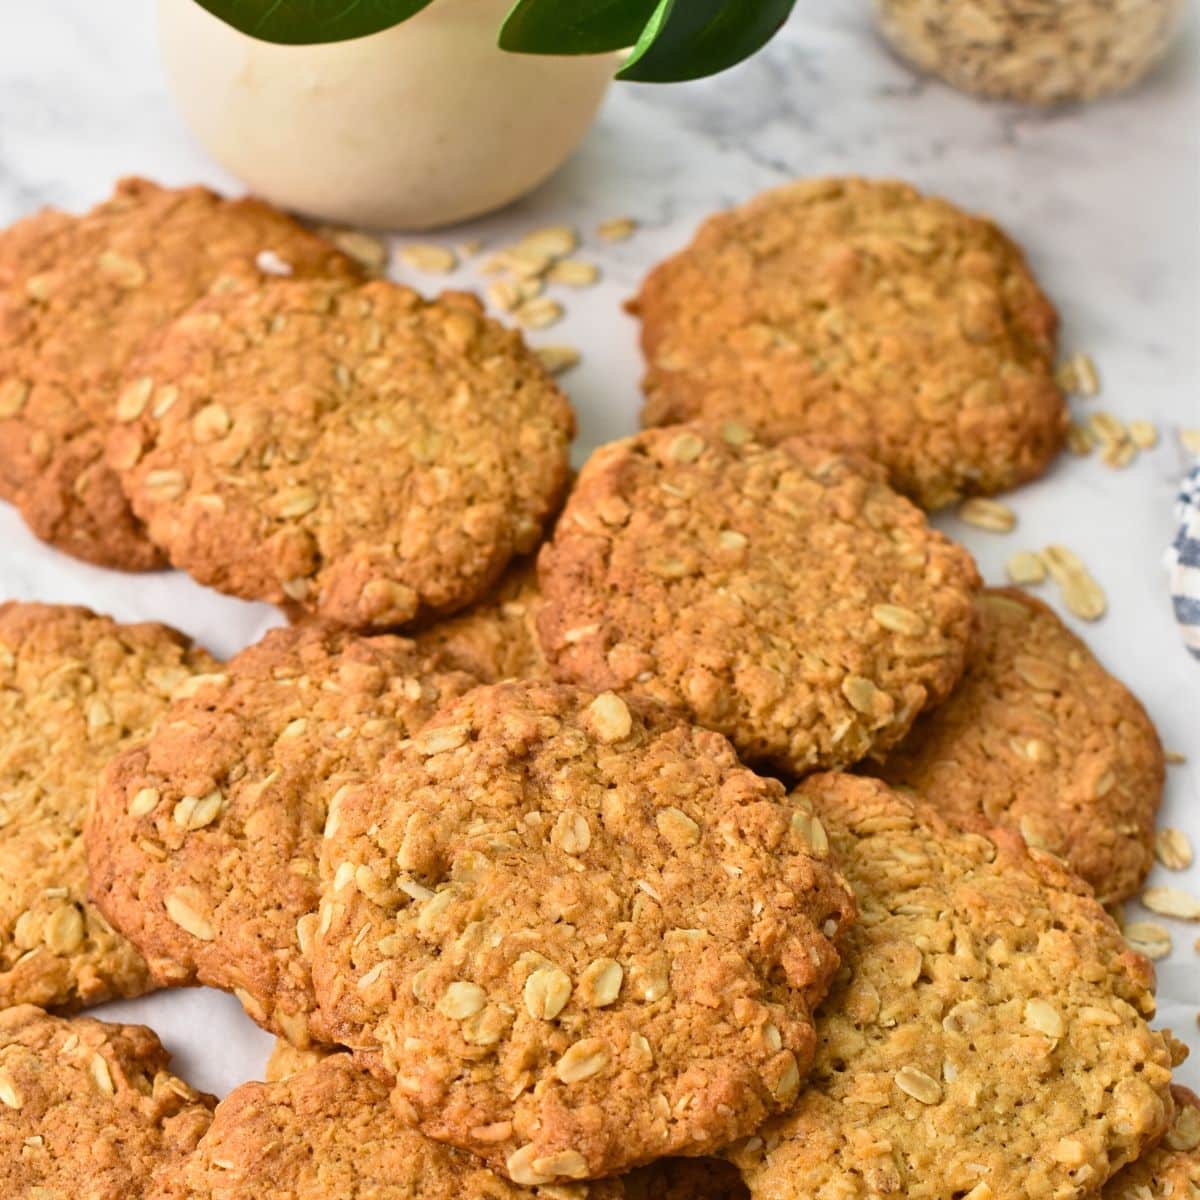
1105 198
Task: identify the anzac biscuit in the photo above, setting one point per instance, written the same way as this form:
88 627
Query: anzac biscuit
362 452
785 595
327 1132
1038 736
576 933
1171 1171
987 1036
888 322
89 1109
78 296
75 688
203 846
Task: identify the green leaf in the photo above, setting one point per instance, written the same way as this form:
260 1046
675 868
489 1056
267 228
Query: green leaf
304 22
574 26
686 39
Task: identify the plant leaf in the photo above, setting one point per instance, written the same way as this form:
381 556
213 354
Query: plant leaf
686 39
574 26
304 22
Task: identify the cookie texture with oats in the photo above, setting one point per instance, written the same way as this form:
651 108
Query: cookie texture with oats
987 1036
78 297
204 842
75 688
1038 736
496 638
783 595
89 1109
369 455
328 1131
1171 1170
575 932
888 322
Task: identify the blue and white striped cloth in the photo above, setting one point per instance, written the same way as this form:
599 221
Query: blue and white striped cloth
1183 562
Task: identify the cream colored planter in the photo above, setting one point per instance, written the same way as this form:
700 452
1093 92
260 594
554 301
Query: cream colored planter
422 125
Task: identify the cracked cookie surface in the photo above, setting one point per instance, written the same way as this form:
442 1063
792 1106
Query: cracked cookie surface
89 1109
328 1131
1038 736
987 1036
863 312
783 595
361 452
75 688
576 933
205 839
78 297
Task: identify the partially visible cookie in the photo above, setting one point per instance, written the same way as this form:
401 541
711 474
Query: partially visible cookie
204 842
1039 736
78 297
367 454
75 688
784 595
987 1037
89 1109
327 1132
863 312
578 933
496 638
1170 1171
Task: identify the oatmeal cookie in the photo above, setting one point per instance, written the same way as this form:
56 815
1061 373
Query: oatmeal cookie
987 1036
1039 736
204 842
89 1109
1171 1171
78 297
785 595
889 322
496 638
327 1132
367 454
575 932
75 688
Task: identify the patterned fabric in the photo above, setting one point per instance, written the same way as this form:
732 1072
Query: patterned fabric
1183 562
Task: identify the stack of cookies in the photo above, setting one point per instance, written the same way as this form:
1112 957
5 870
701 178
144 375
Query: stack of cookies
737 844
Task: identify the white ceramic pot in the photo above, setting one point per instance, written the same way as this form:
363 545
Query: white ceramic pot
425 124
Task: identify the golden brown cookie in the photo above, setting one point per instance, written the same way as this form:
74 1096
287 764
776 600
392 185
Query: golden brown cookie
204 842
74 689
785 595
1170 1171
78 297
863 312
362 452
987 1036
1038 736
328 1132
89 1109
496 638
578 934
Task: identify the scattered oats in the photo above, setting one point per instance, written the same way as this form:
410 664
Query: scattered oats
539 313
1191 440
1079 439
1174 849
1080 592
371 251
574 272
469 248
1025 567
1106 429
504 294
1087 378
557 359
1065 376
616 229
1149 938
1175 758
431 259
1119 454
1172 902
555 241
1144 434
987 514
